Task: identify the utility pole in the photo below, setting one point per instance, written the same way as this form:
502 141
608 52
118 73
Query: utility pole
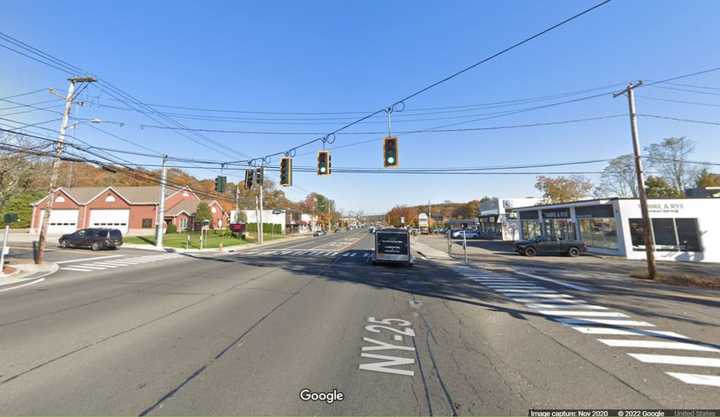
647 223
42 239
160 223
260 218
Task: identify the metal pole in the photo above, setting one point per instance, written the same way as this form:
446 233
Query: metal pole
465 247
647 223
2 251
42 239
160 222
449 240
261 231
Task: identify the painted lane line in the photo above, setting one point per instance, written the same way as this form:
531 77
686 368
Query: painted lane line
585 306
67 268
23 285
91 266
541 291
545 300
93 258
627 332
555 281
578 313
345 254
353 254
511 287
677 360
696 379
655 344
589 320
105 265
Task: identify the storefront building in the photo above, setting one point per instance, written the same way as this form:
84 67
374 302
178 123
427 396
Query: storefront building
683 229
498 220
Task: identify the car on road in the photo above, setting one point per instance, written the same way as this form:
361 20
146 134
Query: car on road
371 229
542 245
469 234
93 238
319 233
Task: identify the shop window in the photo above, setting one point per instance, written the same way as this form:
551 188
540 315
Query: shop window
559 229
599 233
664 230
669 234
688 234
530 229
146 223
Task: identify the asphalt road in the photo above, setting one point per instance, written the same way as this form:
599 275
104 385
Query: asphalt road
246 333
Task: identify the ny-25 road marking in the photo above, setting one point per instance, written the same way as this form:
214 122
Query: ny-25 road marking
388 364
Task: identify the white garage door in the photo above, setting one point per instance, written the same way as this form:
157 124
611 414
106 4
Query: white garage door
112 219
62 221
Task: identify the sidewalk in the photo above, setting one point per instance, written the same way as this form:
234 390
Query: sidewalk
496 254
26 273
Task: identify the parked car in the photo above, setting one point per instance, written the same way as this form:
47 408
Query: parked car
93 238
320 233
543 245
469 234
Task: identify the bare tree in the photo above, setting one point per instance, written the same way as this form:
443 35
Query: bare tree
16 167
618 178
669 158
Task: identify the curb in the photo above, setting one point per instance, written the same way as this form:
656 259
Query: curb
23 282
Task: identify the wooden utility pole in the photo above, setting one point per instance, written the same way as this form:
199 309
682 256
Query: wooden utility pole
647 222
45 218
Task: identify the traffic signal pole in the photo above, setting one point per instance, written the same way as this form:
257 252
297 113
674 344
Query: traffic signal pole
647 223
159 223
42 239
260 217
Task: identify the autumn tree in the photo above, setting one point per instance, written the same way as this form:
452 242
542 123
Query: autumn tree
398 213
618 178
705 179
669 158
563 189
658 187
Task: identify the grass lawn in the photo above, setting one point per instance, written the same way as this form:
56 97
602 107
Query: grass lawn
179 240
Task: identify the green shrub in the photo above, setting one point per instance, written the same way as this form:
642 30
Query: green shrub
171 228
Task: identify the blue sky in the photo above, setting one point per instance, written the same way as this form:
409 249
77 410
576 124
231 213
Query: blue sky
329 56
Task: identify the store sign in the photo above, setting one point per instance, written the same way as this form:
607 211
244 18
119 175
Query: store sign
556 214
665 207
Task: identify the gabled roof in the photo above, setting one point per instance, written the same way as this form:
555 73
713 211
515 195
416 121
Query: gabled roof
188 206
133 195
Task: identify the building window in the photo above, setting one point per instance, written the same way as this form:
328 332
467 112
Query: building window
183 224
599 233
146 223
669 235
559 229
60 199
109 199
530 229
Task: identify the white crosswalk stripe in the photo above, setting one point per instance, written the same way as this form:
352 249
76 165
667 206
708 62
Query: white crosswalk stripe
653 344
101 265
697 379
598 320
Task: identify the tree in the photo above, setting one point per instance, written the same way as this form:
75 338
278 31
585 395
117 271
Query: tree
398 213
17 171
467 210
705 179
202 212
563 189
618 178
658 187
669 158
240 217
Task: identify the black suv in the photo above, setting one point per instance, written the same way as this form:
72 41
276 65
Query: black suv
94 239
542 245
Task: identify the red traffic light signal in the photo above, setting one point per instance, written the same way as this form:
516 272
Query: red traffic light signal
324 166
390 152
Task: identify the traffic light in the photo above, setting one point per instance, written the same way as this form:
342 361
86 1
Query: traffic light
286 172
259 176
220 182
324 166
249 178
390 152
